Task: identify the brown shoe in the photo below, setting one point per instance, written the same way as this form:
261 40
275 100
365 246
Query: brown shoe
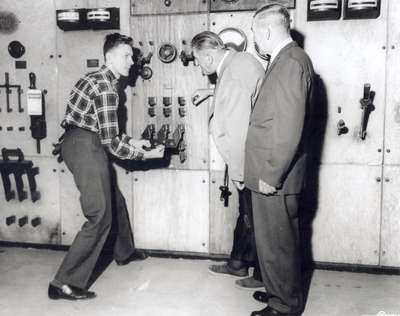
225 269
249 283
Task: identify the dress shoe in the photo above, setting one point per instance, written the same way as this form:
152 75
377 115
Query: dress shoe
225 269
249 283
261 296
69 292
138 255
269 311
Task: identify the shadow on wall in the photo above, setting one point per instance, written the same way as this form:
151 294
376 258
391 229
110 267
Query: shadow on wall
309 200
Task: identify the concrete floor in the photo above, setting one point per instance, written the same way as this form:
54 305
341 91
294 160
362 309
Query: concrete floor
178 287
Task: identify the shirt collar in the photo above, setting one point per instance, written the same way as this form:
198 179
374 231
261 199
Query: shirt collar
221 62
109 74
279 47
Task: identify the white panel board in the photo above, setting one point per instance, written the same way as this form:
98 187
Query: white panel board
47 208
37 34
171 210
172 80
346 55
346 226
392 115
72 217
74 48
222 219
390 232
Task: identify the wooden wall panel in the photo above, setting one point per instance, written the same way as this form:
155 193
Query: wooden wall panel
171 210
223 5
36 32
347 54
346 225
390 230
140 7
72 217
75 47
222 219
47 208
172 80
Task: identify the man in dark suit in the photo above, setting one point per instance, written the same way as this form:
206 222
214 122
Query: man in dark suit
275 159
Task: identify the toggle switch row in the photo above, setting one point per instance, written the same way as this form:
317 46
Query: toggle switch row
22 221
167 101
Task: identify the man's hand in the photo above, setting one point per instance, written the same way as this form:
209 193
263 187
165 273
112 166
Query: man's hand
157 152
265 188
139 143
200 95
238 184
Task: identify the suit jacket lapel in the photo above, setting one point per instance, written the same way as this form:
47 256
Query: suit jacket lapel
226 62
270 67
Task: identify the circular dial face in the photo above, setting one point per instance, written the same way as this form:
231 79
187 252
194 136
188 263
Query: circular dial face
234 38
16 49
167 53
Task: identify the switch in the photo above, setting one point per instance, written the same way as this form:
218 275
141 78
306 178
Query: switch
23 221
10 220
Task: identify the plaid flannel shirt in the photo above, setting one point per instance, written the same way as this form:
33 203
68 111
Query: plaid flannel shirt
93 104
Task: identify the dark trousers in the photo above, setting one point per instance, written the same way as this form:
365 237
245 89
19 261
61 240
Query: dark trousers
244 251
86 159
277 240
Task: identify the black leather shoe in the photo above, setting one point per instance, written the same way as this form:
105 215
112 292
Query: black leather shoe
68 292
138 255
261 296
269 311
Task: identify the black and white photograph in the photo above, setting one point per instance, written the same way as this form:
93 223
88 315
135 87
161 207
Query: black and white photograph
200 157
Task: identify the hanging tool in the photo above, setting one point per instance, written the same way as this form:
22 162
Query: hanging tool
8 88
367 107
225 193
36 109
18 167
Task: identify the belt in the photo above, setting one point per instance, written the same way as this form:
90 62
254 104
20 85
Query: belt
70 127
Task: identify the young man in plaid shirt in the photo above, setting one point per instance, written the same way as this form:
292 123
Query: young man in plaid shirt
92 133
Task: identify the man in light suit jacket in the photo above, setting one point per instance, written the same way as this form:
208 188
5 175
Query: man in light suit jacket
275 159
238 75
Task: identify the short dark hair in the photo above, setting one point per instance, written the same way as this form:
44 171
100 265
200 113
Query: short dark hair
277 10
207 40
115 39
